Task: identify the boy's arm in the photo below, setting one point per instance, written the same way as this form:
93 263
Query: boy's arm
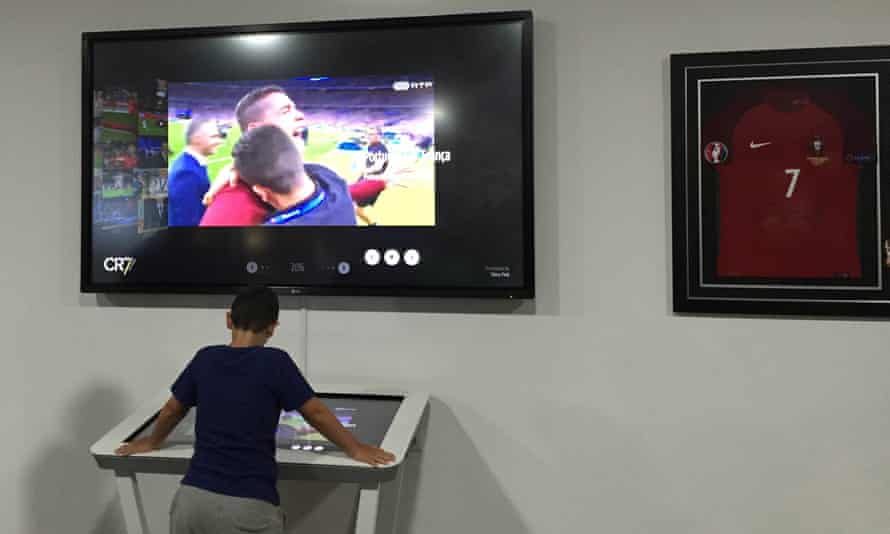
170 415
320 416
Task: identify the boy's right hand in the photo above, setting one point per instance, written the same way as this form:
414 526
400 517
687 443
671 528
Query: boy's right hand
371 455
323 419
136 446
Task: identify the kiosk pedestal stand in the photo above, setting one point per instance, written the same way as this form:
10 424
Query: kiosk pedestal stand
377 485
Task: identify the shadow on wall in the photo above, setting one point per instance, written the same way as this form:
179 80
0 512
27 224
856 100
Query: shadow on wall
317 506
442 486
331 303
548 255
330 507
64 481
453 485
552 258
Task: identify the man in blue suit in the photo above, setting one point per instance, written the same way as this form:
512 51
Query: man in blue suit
188 179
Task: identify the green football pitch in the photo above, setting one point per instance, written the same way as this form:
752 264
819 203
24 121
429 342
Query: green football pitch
411 202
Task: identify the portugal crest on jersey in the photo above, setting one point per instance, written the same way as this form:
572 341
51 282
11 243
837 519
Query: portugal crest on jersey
716 153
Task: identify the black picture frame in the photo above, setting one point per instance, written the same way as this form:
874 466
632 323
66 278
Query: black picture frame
792 221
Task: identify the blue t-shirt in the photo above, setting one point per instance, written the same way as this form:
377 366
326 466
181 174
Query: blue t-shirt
239 394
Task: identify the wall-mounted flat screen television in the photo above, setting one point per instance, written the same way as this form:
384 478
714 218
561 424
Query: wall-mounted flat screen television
364 157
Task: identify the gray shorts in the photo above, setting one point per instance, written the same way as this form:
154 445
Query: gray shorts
198 511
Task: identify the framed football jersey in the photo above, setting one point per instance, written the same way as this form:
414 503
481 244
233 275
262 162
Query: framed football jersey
780 201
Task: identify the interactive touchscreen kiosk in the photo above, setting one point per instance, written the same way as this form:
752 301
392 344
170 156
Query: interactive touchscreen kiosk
387 419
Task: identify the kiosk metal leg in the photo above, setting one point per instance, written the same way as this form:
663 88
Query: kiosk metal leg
368 503
378 506
397 498
131 502
390 495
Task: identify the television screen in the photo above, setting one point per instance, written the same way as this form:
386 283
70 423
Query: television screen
370 157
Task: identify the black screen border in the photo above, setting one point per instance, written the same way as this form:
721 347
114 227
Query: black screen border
526 291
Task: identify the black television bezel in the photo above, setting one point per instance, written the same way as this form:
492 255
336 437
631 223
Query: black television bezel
526 291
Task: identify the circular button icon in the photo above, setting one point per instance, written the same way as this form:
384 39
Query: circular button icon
343 267
391 257
252 267
412 257
372 257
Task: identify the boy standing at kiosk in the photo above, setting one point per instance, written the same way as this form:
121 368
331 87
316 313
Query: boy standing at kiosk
240 390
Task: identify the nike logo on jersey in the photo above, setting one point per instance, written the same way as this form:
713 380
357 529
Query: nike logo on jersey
754 145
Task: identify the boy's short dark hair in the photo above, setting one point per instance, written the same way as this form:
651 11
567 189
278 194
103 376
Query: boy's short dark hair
267 156
255 309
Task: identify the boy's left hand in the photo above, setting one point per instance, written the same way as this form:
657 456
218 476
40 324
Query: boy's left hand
135 447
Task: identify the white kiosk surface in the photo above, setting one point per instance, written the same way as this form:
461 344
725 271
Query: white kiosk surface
404 434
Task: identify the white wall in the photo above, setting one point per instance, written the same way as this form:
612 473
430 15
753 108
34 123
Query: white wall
591 410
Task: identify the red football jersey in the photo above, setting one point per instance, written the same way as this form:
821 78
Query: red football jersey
367 189
236 206
788 200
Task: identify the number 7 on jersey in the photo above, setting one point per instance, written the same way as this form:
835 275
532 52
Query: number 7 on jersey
794 173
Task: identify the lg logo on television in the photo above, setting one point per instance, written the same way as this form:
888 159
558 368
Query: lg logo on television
119 264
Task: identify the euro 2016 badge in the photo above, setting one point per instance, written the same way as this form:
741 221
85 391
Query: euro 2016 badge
817 151
817 147
716 153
